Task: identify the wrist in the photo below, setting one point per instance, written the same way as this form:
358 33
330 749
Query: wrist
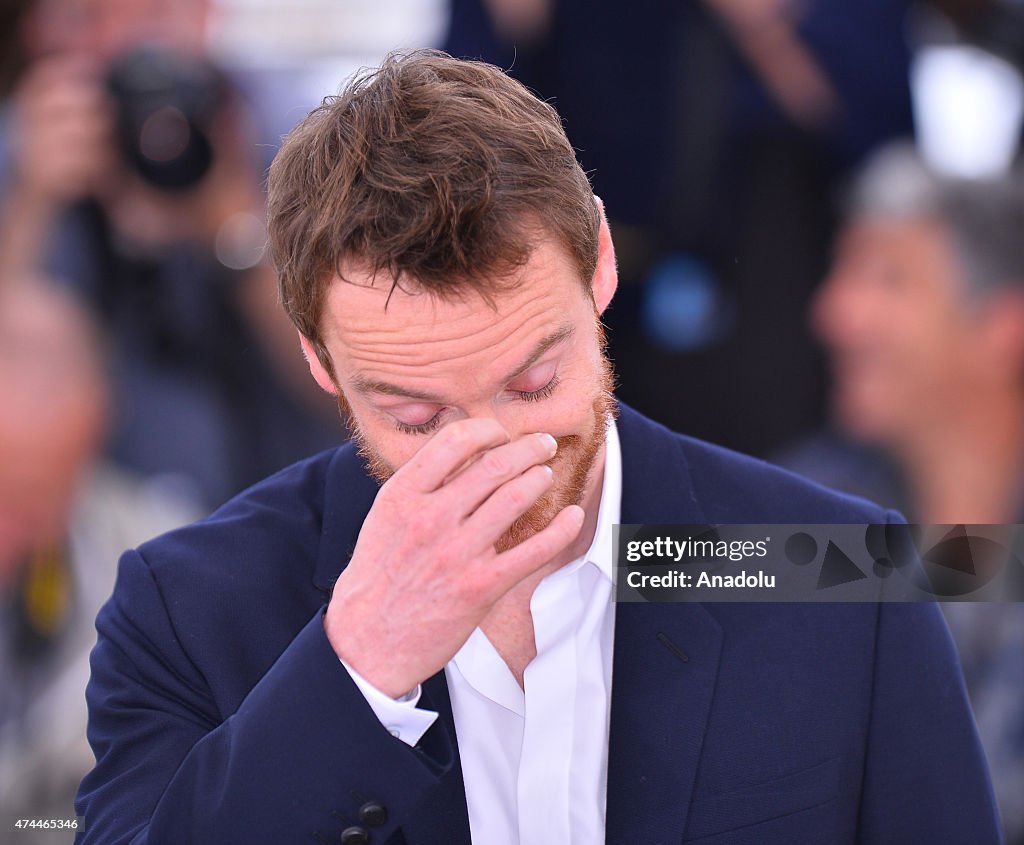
371 670
369 688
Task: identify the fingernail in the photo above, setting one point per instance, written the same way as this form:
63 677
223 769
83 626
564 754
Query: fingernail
550 442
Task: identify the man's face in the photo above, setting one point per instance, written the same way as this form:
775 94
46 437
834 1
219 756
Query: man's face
903 339
409 365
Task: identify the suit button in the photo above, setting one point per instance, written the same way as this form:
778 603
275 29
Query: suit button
373 814
355 836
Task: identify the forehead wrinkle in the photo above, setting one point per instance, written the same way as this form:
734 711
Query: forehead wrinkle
387 335
456 311
436 345
415 345
367 384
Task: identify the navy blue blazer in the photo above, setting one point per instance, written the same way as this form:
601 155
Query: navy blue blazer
220 714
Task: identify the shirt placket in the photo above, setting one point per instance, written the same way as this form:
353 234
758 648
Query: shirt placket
550 680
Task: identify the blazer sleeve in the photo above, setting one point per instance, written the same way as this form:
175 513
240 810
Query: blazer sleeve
296 762
925 775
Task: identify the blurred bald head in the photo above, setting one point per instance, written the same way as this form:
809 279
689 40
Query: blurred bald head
52 413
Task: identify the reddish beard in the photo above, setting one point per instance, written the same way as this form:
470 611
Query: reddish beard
572 464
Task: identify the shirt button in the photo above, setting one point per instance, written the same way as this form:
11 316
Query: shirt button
394 732
355 836
373 814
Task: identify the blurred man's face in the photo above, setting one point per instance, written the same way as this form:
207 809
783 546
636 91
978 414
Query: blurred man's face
895 317
102 29
534 362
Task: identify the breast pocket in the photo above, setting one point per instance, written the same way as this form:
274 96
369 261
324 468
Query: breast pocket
780 803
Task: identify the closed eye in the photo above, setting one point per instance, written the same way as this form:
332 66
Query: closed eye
539 394
421 428
435 421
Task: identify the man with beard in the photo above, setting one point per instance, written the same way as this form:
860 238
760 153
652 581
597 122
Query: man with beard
413 639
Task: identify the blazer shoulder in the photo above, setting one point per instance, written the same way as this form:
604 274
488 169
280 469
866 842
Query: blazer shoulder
732 487
728 486
279 518
718 485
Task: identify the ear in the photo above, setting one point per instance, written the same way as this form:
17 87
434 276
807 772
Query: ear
606 275
319 373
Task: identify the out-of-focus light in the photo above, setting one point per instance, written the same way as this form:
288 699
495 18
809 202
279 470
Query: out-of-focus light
968 105
684 306
164 135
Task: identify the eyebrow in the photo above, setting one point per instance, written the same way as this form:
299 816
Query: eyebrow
367 385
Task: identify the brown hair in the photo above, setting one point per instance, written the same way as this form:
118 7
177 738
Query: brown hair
439 171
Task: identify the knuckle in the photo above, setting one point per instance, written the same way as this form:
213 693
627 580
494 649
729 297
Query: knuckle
494 463
473 430
516 498
479 590
467 588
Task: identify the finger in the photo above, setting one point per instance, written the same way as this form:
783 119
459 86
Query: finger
74 97
509 502
470 488
448 450
72 132
512 566
63 92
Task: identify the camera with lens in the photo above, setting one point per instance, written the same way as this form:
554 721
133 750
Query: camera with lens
165 107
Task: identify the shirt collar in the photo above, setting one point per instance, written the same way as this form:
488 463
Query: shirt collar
609 511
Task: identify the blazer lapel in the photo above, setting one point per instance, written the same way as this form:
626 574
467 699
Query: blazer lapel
349 492
665 660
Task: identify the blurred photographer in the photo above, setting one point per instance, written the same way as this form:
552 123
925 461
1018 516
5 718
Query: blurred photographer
129 166
60 124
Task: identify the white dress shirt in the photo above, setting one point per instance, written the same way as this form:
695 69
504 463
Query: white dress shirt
535 761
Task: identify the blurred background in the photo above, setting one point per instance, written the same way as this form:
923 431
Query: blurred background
819 221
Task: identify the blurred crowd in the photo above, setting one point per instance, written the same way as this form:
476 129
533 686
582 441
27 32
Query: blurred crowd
819 219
